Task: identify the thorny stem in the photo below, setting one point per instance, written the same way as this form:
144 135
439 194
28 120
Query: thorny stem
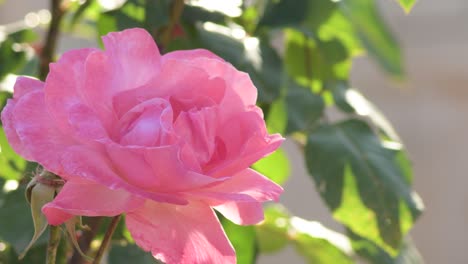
54 241
107 239
47 54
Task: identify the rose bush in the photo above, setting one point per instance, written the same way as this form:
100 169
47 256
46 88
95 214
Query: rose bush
164 139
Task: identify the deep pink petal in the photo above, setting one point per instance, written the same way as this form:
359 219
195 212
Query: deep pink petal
93 165
181 234
133 55
198 130
240 197
43 141
85 198
239 148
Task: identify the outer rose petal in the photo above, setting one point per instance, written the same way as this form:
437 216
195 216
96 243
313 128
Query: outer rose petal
63 85
25 85
239 198
38 132
242 146
190 55
181 234
134 57
89 199
22 87
94 166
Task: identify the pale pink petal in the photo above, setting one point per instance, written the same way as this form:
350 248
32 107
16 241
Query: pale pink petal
63 85
181 234
22 87
188 55
25 85
91 164
131 166
239 148
41 139
172 174
147 124
240 91
134 57
242 213
239 197
85 198
187 86
8 124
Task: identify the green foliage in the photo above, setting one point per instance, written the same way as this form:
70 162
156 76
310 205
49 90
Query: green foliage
362 183
407 4
129 253
312 240
243 239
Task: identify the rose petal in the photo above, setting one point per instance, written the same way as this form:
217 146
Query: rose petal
63 85
91 164
85 198
25 85
187 86
239 197
180 234
133 55
241 147
42 140
189 55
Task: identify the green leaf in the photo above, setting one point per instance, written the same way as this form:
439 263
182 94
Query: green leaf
16 226
243 240
275 166
407 4
374 34
11 58
304 108
277 118
362 182
376 255
129 253
311 61
13 166
312 240
272 233
284 13
250 54
317 250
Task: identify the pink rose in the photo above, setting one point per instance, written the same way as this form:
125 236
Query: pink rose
163 139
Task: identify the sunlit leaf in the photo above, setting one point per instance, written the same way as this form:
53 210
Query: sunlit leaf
275 166
407 4
362 182
243 239
374 34
272 233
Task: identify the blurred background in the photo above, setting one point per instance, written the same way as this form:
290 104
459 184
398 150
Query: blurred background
429 110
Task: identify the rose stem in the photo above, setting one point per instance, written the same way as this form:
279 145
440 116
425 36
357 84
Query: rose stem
176 12
107 238
48 51
54 241
85 240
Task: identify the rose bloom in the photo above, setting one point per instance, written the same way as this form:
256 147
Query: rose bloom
164 139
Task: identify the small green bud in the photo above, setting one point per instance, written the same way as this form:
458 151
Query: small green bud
41 190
